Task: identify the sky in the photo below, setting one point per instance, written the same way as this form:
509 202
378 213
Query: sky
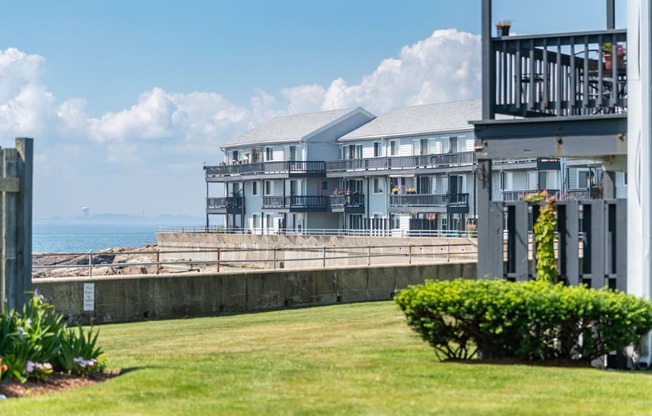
127 100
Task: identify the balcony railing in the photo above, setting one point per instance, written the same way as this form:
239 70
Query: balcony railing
510 196
402 162
429 200
304 202
344 202
227 203
310 168
561 74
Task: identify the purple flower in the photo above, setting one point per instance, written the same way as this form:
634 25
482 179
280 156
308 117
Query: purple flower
29 367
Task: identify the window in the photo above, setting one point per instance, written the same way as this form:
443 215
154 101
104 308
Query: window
269 221
393 148
532 180
254 188
378 185
269 188
445 145
255 221
269 153
394 221
378 149
508 181
462 144
585 178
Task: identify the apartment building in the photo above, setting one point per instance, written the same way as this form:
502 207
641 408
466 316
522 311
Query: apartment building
409 170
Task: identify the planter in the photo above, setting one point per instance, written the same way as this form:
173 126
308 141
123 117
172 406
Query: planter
608 61
503 30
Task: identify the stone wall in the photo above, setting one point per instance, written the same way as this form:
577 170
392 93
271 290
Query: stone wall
139 298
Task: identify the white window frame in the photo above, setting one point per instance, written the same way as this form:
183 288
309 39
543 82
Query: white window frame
393 148
269 153
255 189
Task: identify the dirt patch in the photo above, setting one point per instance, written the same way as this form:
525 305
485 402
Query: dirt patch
56 383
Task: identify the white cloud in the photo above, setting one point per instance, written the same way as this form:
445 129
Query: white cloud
444 67
167 136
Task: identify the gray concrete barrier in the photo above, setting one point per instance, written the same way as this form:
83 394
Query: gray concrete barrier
138 298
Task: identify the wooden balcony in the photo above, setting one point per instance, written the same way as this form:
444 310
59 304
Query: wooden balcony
452 203
303 203
350 204
281 169
227 205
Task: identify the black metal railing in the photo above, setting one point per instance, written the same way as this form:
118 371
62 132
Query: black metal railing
572 74
265 168
402 162
311 202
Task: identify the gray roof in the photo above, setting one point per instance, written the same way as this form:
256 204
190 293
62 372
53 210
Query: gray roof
420 119
293 128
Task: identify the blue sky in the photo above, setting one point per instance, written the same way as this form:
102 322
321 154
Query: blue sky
127 99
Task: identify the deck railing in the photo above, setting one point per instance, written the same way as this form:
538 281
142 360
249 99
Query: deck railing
263 168
296 202
402 162
346 201
429 200
569 74
234 202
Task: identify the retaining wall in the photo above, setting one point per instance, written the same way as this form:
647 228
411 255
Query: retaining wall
341 250
139 298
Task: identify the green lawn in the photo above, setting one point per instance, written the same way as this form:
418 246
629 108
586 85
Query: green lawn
345 359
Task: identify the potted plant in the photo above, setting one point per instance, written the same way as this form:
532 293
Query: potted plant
502 27
412 191
394 191
607 53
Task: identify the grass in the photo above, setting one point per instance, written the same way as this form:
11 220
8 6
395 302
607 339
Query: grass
345 359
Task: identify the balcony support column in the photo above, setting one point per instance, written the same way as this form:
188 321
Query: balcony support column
608 184
611 14
490 225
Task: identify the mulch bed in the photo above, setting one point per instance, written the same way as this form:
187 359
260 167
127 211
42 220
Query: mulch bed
56 382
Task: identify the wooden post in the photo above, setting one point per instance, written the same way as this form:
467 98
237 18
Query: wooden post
16 226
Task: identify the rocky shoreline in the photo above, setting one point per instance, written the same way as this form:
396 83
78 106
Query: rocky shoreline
108 262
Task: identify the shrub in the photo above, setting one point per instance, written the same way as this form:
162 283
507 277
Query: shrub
530 321
36 341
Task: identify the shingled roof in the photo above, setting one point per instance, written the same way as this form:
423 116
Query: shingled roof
293 128
420 119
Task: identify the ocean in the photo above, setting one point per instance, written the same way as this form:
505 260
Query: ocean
83 237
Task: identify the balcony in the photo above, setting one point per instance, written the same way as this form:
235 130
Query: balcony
451 203
401 163
304 203
349 204
511 196
227 205
561 75
281 169
568 92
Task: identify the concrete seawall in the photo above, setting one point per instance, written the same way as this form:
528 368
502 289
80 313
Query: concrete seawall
299 251
138 298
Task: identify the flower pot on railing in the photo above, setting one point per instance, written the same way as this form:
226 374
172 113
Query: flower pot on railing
502 28
608 61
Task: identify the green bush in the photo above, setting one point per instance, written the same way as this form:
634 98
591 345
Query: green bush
530 321
36 341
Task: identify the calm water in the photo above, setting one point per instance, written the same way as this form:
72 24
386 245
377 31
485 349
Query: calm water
82 237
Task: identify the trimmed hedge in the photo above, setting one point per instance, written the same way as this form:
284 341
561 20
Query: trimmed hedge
529 321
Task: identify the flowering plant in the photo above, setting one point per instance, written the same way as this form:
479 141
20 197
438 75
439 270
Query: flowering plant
412 190
394 190
85 368
3 368
607 48
39 371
